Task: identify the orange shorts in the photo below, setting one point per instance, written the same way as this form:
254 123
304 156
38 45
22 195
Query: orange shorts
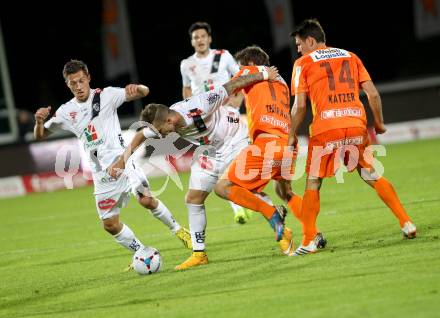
328 150
267 158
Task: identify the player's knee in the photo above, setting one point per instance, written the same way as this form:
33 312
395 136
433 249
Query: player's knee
221 189
193 198
148 202
112 226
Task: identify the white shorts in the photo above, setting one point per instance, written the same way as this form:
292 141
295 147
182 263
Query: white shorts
206 170
117 194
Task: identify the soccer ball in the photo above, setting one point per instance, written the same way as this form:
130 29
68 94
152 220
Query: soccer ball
147 260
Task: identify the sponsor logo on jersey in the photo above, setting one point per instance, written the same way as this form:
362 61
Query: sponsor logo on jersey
204 140
205 163
341 112
275 122
329 53
90 132
197 112
212 98
208 85
92 137
357 140
232 119
73 116
106 204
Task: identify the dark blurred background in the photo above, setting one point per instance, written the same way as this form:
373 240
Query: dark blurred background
40 36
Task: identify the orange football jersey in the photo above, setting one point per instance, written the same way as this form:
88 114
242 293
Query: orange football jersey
331 78
267 105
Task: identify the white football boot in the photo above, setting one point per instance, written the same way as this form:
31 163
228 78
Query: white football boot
409 230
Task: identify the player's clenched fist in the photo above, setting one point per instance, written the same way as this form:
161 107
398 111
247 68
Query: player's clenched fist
134 91
42 114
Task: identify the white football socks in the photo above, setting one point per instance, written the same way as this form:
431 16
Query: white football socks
163 214
197 225
127 239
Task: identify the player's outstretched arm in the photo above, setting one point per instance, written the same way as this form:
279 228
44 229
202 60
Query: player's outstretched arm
241 82
375 104
135 91
118 167
40 132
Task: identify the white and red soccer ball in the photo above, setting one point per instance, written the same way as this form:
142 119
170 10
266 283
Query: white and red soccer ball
147 260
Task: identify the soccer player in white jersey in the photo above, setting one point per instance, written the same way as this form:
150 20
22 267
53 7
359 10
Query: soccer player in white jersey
203 120
205 70
98 128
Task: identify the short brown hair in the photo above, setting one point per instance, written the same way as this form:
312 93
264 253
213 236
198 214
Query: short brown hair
74 66
154 114
310 28
199 25
253 54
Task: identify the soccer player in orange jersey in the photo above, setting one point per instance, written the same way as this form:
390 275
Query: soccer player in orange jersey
268 110
331 78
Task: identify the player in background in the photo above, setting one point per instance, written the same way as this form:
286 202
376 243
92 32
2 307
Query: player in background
202 120
92 116
205 70
268 108
331 78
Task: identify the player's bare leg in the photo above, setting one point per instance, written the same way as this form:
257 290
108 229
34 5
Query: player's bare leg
161 212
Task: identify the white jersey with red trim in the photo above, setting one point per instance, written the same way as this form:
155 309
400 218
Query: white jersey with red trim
224 127
196 72
101 136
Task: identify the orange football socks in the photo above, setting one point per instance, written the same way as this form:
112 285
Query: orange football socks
386 192
295 204
248 200
309 213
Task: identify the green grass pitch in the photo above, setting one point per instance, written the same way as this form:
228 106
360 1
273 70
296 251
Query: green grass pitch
56 261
